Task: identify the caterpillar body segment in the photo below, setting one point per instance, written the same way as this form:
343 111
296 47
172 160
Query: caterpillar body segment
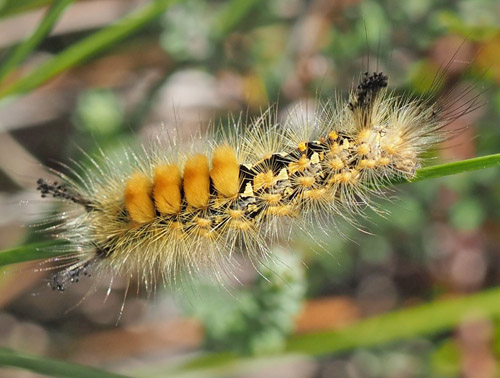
158 216
167 189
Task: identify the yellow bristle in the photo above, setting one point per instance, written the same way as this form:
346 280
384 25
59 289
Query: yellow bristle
225 171
336 178
306 181
138 202
364 135
263 180
177 226
363 149
241 225
271 198
235 214
334 149
392 145
333 135
383 161
177 229
209 234
197 181
167 189
336 163
299 166
367 163
203 223
350 177
315 194
280 211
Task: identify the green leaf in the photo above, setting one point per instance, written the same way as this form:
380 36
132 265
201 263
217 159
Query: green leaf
30 252
44 28
50 367
423 320
90 46
12 7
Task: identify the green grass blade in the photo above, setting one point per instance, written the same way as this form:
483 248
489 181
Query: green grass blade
29 252
424 320
454 168
441 170
50 367
90 46
12 7
21 52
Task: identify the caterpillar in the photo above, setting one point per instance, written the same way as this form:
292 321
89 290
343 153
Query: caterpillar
188 208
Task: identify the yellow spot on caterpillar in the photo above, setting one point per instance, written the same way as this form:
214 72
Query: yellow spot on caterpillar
263 180
364 135
333 135
351 177
138 202
392 145
363 149
336 178
391 149
197 181
344 178
167 189
280 211
203 223
241 225
367 163
383 161
306 181
334 149
225 171
298 166
235 214
315 194
336 163
206 233
177 230
176 226
271 198
302 146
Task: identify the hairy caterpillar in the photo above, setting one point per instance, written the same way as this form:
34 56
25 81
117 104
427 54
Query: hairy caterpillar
180 208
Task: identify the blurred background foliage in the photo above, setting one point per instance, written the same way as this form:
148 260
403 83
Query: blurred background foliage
91 74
